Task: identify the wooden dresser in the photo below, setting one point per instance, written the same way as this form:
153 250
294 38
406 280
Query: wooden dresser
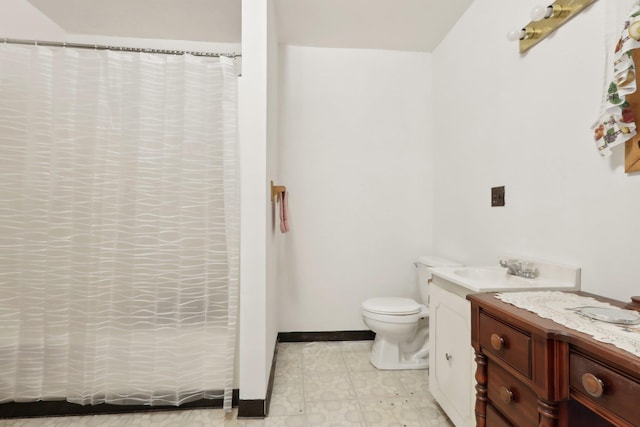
533 372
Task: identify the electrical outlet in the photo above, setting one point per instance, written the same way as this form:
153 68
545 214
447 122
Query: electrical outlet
497 196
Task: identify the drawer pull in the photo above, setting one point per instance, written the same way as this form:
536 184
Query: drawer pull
592 385
448 356
506 395
497 342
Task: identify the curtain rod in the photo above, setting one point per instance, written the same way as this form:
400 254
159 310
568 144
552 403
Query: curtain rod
118 48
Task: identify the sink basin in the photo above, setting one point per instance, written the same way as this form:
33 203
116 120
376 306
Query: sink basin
484 274
496 279
489 279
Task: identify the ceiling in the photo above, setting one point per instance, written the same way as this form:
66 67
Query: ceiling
195 20
368 24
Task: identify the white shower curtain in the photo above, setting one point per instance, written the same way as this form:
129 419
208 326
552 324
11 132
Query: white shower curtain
119 226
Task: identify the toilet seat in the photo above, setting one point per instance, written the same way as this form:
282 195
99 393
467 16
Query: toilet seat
391 318
393 306
394 310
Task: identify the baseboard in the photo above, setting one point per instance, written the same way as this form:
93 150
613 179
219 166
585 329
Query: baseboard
63 408
326 336
259 408
251 408
272 375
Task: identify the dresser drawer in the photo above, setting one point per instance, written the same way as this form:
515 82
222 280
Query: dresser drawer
494 419
513 399
610 391
505 342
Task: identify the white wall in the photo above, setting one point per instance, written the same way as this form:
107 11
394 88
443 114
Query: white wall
258 145
524 122
355 155
272 229
253 161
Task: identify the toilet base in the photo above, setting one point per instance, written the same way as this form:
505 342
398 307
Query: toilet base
387 355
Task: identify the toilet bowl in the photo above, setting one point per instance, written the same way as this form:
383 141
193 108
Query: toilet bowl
401 324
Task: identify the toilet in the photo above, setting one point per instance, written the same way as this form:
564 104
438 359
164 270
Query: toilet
401 324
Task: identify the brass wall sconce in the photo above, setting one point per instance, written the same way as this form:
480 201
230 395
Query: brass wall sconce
545 20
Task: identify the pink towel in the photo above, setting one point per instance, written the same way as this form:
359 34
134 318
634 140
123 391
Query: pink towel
284 212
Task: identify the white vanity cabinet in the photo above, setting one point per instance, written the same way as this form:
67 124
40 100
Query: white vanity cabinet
451 357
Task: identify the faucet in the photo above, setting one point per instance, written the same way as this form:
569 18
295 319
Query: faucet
519 268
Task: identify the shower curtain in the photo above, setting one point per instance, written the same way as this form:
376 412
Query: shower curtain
119 226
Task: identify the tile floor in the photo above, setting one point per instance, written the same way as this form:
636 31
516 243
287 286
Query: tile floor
316 384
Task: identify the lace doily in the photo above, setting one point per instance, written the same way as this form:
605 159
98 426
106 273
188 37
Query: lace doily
559 307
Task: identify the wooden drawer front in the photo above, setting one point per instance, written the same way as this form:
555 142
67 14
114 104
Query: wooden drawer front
608 390
494 419
507 343
511 397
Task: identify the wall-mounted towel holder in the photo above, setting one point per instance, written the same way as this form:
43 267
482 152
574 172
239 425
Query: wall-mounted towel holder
277 190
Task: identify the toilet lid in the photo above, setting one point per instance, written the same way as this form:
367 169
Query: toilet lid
391 305
436 261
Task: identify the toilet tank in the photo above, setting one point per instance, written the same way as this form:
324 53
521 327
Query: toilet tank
423 265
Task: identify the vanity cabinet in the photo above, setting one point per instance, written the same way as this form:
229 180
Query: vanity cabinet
534 372
451 357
